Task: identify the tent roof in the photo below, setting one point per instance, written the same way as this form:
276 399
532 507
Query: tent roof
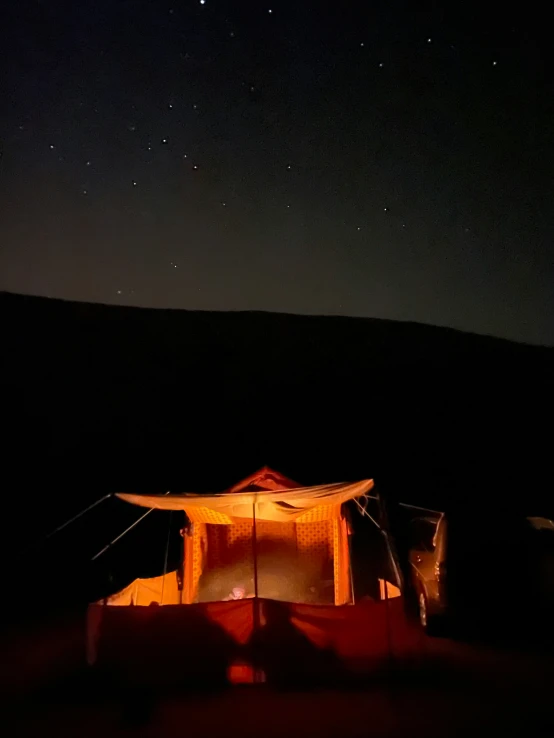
281 504
264 479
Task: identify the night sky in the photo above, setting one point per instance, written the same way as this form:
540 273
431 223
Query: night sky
364 159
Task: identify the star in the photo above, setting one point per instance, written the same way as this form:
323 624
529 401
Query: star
241 139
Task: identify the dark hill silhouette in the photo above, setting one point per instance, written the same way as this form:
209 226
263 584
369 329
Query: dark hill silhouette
98 398
151 395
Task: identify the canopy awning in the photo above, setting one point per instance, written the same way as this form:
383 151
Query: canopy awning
278 506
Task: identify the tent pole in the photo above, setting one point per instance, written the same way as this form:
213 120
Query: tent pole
396 570
181 570
256 613
387 617
421 509
350 570
255 550
166 556
73 519
352 594
117 538
127 530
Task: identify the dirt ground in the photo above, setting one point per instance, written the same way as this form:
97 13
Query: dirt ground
449 689
454 710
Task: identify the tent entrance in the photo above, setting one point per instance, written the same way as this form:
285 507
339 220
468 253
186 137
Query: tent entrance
290 562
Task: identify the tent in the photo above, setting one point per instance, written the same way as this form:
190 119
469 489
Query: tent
281 552
262 532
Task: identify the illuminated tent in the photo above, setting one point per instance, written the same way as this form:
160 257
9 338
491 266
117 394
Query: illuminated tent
266 532
276 542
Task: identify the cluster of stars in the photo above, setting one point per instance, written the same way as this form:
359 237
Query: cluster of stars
171 106
203 2
165 140
213 139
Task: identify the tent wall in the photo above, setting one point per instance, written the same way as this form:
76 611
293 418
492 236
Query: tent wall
213 549
314 551
315 539
163 590
341 562
206 642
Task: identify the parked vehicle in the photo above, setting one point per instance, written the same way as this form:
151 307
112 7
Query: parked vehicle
427 559
479 558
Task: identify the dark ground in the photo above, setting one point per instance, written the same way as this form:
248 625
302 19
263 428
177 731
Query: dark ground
448 688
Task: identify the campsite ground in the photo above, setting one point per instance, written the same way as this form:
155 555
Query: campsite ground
468 704
450 689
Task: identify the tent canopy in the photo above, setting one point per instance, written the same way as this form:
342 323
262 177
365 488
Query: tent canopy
264 479
279 503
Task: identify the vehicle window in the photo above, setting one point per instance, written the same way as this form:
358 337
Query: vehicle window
422 532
